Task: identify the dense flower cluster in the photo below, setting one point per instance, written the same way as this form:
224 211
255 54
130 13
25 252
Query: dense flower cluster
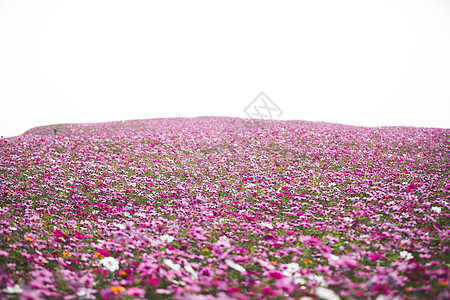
222 208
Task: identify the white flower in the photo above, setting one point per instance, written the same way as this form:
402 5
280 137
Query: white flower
86 293
166 238
317 278
266 224
406 255
163 291
348 219
121 226
291 269
171 265
436 209
16 289
12 228
110 263
299 280
234 265
265 264
191 271
331 184
333 257
182 283
139 214
326 294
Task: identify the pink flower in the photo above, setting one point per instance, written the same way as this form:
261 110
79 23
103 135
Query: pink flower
30 295
267 291
342 261
233 290
375 256
223 242
135 292
276 275
153 281
286 284
103 252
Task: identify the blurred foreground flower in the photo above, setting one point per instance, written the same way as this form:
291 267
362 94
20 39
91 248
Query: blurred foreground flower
16 289
171 265
235 266
325 293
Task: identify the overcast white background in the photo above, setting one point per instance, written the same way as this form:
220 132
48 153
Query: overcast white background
352 62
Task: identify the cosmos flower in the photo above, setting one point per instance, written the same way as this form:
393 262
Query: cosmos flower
135 292
171 264
31 294
436 209
118 289
16 289
110 263
327 294
235 266
191 271
166 238
291 269
121 226
406 255
267 225
86 293
223 242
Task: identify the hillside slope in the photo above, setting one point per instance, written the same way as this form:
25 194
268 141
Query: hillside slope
223 208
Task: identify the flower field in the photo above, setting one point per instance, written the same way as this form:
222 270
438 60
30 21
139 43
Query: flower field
223 208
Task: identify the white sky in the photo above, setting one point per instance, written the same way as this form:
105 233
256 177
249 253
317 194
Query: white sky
353 62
